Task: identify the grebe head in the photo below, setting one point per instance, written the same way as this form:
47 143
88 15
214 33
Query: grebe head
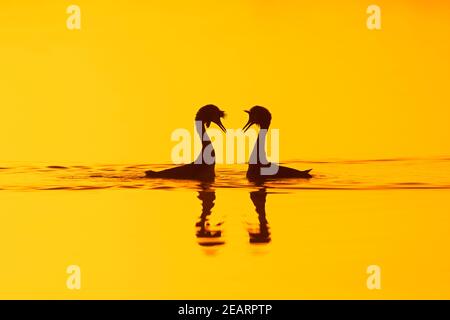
258 115
211 113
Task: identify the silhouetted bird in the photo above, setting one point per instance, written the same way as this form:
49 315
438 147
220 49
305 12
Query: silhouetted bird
203 167
259 168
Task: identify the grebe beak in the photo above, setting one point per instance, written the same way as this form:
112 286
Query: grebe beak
248 125
221 126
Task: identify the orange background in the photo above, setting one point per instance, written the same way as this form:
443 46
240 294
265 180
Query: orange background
115 90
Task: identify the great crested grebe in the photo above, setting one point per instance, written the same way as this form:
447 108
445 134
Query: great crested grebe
261 116
201 169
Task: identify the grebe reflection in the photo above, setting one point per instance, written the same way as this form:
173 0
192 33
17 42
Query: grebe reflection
261 234
208 235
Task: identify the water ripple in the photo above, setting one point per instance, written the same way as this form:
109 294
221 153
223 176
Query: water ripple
375 174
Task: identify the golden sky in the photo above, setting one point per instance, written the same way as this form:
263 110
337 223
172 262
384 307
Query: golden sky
116 89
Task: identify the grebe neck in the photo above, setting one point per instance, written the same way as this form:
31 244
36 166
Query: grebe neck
258 155
204 138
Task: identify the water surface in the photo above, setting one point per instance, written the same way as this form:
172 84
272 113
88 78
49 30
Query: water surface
328 175
140 238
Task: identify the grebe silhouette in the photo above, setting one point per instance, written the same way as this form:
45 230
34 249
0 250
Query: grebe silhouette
258 162
201 169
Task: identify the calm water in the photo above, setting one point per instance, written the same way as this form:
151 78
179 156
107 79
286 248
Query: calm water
140 238
328 175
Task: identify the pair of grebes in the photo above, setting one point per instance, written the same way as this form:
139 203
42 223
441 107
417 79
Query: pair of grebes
258 169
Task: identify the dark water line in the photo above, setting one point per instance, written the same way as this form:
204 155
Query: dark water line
417 174
364 161
270 189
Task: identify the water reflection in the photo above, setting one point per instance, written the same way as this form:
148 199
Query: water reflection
261 233
207 233
210 234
